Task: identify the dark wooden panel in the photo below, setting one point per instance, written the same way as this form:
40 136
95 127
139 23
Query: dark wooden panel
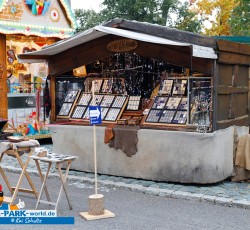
239 121
223 102
180 56
229 89
80 55
225 73
233 47
233 58
164 32
242 79
240 104
203 65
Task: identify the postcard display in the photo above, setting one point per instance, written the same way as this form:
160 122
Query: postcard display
112 106
68 103
170 106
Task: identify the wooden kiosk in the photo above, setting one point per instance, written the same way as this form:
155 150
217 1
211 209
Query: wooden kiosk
186 125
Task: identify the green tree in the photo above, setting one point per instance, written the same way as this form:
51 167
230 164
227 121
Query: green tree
151 11
162 12
187 19
240 19
87 19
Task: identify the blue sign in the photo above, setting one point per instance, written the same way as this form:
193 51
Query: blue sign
95 115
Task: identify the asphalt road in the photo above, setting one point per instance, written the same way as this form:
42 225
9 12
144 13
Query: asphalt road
133 210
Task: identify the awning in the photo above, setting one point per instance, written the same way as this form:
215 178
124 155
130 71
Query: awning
100 31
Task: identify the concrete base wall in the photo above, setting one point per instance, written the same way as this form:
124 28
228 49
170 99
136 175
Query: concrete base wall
162 155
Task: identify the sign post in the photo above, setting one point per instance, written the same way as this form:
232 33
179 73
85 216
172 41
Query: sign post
95 118
96 201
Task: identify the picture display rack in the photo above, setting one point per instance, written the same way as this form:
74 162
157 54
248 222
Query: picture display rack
168 110
134 103
68 103
112 106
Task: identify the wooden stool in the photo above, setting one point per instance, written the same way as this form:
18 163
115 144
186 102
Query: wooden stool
58 160
14 190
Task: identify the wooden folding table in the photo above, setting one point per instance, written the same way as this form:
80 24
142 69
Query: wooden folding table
57 159
16 150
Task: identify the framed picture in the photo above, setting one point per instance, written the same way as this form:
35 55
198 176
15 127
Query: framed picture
183 104
104 112
96 100
78 112
85 99
97 85
167 116
180 87
154 115
133 103
71 96
65 109
119 101
112 114
107 100
86 114
180 117
173 103
166 87
107 86
159 102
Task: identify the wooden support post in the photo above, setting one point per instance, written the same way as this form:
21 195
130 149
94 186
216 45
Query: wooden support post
3 79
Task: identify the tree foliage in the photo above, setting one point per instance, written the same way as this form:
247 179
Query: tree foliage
162 12
187 20
240 19
218 12
155 11
87 19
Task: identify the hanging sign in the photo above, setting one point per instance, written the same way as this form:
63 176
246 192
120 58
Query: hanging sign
122 45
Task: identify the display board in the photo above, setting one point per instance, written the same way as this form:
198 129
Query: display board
112 106
166 109
134 103
68 103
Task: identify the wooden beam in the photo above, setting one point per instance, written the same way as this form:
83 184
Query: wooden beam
233 58
53 99
3 78
233 47
35 57
230 90
239 121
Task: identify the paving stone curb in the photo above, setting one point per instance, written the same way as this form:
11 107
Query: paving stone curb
151 189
